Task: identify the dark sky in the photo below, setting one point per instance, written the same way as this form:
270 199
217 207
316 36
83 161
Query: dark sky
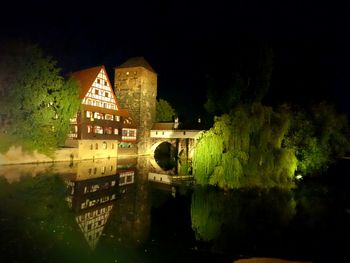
184 41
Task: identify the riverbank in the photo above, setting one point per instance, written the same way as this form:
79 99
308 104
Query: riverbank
17 155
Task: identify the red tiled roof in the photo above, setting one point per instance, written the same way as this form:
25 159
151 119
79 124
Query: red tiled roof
86 78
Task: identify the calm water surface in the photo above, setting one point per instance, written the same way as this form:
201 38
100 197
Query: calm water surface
132 211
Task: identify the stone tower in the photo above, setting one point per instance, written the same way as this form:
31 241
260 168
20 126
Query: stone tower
135 86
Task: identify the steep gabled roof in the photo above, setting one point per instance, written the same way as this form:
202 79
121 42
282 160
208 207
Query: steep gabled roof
137 62
86 78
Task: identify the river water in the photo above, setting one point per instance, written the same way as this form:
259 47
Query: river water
129 210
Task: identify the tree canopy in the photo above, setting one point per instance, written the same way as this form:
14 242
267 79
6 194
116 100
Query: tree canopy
164 111
258 146
38 101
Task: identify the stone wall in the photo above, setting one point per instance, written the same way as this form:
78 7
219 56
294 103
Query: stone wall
136 90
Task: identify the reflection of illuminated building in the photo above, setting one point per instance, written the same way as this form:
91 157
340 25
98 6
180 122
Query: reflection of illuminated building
92 194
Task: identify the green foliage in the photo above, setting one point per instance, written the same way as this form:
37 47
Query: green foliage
217 215
257 146
37 99
164 111
318 136
244 149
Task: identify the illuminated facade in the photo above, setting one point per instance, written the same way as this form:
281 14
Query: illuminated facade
101 124
136 88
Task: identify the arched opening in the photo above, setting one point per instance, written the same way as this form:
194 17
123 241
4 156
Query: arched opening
166 156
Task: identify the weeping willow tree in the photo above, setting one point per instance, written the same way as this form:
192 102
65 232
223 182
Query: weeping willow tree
244 149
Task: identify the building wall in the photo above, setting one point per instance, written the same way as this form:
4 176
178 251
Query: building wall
136 90
94 149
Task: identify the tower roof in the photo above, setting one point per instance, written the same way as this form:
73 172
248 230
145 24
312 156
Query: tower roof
137 62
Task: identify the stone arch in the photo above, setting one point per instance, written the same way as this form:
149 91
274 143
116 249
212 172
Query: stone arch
157 143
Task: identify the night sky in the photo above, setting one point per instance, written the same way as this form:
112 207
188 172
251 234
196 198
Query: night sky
184 42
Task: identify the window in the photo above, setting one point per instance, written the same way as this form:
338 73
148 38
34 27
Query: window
95 169
108 130
103 169
106 94
106 85
89 128
98 81
98 115
88 102
105 105
125 132
116 131
96 147
96 91
112 146
122 180
90 170
131 133
104 145
97 104
88 114
129 178
117 118
108 117
98 130
91 146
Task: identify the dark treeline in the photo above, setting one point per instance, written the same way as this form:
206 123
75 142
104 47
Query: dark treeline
255 144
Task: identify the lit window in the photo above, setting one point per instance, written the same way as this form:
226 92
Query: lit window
127 73
117 118
131 133
108 117
125 132
97 103
88 114
98 130
89 128
88 102
108 130
105 105
116 131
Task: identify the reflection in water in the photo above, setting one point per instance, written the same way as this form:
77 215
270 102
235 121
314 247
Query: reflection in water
91 193
241 219
101 212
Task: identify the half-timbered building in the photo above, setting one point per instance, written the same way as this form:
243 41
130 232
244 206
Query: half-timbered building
101 124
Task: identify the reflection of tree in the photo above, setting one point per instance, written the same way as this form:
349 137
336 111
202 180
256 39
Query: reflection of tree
36 222
236 219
